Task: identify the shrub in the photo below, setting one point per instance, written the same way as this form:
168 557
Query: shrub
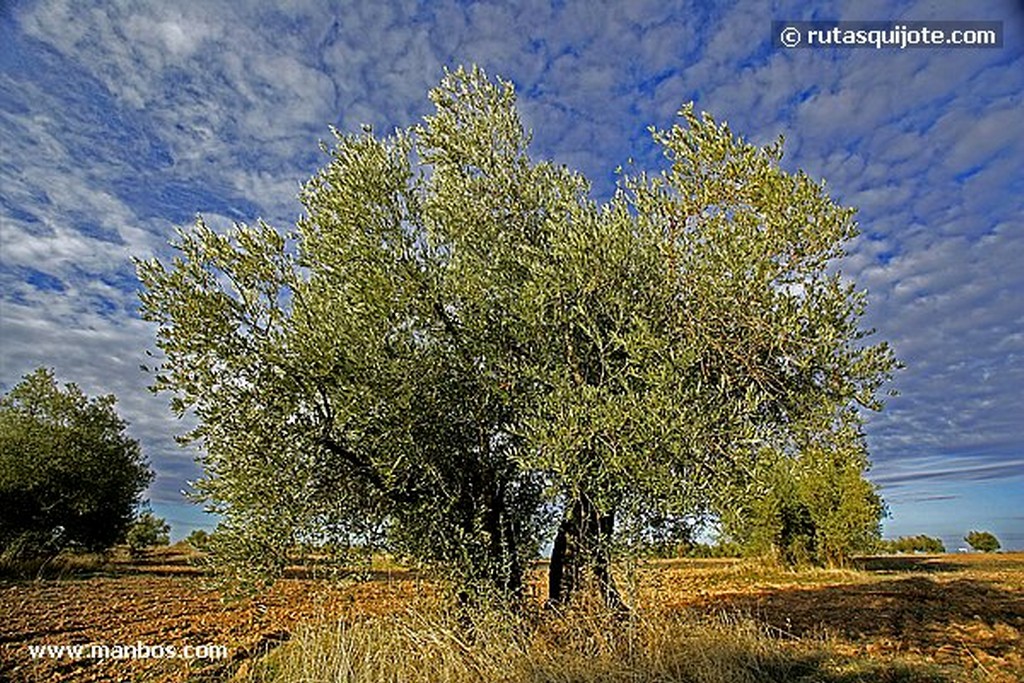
982 541
198 539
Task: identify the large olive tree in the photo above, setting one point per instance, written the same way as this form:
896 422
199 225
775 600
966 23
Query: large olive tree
457 343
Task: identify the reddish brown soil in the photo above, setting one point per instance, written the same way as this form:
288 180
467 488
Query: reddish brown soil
963 614
165 603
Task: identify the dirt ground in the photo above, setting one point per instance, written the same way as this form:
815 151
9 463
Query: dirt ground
962 615
163 602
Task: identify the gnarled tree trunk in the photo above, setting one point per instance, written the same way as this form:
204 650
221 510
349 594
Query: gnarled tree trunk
582 550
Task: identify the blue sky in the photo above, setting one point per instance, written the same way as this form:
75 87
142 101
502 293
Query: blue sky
120 120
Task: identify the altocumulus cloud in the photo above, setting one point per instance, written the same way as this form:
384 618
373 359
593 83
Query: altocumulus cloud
121 120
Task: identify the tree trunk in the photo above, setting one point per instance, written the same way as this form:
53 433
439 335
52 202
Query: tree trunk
582 549
507 571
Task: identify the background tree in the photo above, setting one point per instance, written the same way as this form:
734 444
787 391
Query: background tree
147 531
199 539
459 340
69 475
815 508
982 541
912 544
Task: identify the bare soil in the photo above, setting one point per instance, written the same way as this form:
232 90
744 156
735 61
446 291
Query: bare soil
961 616
958 617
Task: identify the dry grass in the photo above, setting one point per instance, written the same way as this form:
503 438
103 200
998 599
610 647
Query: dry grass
913 619
587 645
60 566
953 618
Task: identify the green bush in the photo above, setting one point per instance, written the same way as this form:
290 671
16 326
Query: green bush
983 541
198 539
813 508
148 531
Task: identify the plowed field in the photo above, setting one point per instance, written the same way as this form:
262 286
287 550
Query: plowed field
963 614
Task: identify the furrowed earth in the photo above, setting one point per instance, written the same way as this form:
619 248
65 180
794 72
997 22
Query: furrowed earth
958 617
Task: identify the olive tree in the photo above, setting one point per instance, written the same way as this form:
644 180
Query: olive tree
70 477
816 507
147 531
982 541
457 343
341 400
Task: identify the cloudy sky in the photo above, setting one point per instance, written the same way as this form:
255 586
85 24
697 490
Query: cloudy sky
121 120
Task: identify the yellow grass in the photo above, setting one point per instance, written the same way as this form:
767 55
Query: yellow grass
586 645
885 619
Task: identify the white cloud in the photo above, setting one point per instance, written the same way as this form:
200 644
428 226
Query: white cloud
134 111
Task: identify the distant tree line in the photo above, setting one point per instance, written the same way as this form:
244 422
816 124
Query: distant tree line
912 544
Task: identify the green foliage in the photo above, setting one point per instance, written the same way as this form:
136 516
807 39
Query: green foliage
778 521
342 402
147 531
982 541
457 343
198 539
69 475
816 508
912 544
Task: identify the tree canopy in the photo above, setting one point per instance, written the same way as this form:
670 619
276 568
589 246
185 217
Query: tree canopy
69 475
458 351
147 531
983 541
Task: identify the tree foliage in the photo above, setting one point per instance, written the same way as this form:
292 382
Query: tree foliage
814 508
199 539
912 544
147 531
457 343
982 541
69 475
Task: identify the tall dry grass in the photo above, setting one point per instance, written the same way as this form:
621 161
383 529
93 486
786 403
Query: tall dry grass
585 645
59 566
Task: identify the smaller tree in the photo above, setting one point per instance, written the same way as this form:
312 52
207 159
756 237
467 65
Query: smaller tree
982 541
777 521
814 508
199 539
69 475
148 531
